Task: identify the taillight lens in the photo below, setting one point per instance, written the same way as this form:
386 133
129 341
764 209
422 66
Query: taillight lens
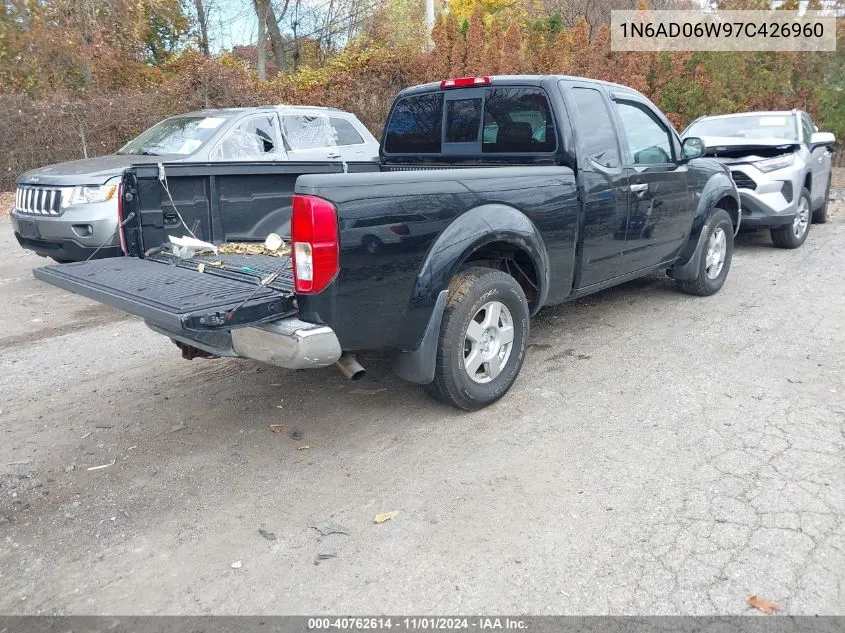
465 82
400 229
314 241
121 227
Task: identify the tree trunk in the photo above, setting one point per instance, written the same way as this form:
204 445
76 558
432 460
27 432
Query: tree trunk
263 7
202 19
262 50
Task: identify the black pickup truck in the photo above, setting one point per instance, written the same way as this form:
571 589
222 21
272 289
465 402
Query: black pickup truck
493 197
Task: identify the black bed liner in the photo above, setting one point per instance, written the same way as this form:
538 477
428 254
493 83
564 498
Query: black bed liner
175 295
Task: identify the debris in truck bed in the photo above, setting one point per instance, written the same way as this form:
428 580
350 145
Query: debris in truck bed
251 248
188 247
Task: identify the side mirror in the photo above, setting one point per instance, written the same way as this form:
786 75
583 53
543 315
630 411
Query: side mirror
693 147
822 138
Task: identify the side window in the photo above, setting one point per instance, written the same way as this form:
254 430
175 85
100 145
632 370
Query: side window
415 125
598 140
463 118
307 131
345 132
254 138
517 120
808 128
649 142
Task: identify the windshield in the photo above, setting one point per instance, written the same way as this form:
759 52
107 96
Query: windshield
747 126
178 135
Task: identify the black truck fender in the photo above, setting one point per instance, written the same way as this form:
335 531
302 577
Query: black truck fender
472 231
719 192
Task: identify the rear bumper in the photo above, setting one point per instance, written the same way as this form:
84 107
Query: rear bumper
288 343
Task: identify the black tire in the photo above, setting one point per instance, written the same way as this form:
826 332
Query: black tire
820 214
704 285
784 236
469 292
59 260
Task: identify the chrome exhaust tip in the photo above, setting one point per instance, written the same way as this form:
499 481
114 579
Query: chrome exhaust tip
349 367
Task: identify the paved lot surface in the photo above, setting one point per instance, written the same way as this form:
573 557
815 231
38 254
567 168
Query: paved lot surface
659 454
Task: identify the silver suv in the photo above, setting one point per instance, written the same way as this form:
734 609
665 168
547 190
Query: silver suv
68 211
781 165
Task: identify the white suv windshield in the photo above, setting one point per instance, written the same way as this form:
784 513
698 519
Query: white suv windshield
179 135
748 126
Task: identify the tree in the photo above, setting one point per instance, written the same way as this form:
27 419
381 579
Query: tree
202 23
267 16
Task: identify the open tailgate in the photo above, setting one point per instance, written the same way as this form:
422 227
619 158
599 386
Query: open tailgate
177 296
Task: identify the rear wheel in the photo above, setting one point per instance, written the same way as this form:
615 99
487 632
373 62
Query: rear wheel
820 214
795 234
483 337
715 261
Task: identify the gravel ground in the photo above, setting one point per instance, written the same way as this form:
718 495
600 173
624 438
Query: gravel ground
660 454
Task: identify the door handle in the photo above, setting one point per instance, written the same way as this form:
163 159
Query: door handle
333 156
639 189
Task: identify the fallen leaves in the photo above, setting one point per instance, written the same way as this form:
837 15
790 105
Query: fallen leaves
381 517
766 606
278 428
250 248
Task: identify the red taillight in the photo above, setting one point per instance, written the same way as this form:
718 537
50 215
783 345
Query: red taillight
399 229
314 242
121 228
465 82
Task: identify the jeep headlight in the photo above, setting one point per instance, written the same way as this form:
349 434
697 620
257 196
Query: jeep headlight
89 194
773 164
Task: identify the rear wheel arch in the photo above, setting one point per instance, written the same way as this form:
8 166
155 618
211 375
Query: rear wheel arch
494 236
513 259
729 204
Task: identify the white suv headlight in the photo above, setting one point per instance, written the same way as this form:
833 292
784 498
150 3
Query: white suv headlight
773 164
89 194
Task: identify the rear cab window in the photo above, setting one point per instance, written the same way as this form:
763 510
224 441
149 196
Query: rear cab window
490 120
